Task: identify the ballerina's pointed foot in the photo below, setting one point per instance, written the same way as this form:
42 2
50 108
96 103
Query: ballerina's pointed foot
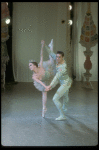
61 118
43 112
51 43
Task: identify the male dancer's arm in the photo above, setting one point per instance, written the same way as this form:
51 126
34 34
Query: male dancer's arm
57 76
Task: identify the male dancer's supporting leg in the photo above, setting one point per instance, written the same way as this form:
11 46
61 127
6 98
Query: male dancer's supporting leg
65 100
60 92
65 96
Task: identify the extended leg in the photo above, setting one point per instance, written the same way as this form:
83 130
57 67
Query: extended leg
44 100
51 48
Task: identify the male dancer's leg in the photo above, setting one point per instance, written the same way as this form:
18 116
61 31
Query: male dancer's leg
60 92
65 96
65 100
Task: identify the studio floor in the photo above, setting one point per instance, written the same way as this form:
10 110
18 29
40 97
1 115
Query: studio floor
23 125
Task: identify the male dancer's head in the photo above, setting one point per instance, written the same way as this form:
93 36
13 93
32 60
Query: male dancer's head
59 57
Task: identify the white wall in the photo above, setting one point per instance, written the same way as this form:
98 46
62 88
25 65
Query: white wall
45 20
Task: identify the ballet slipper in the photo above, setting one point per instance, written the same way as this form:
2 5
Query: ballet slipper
43 112
61 118
64 109
51 44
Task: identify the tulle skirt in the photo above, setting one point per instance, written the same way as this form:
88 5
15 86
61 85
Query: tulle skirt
50 71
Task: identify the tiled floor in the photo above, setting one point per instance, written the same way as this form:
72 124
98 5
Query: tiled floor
23 125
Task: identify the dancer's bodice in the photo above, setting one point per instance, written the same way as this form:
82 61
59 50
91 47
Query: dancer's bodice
61 74
62 68
47 76
40 73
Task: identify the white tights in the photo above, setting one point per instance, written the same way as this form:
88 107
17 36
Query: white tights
62 92
44 99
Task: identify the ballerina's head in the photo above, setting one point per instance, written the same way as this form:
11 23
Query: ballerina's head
33 65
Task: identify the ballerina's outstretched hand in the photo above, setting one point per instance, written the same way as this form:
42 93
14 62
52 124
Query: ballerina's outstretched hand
42 42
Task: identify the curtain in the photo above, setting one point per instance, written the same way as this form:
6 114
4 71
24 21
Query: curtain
4 37
80 9
33 22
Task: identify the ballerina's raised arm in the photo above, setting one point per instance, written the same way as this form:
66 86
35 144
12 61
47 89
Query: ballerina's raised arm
41 55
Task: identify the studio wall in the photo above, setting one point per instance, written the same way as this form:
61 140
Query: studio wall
33 22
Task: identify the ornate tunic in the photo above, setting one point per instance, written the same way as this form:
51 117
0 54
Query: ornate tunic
61 71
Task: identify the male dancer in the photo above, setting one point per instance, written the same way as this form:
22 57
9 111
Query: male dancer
63 78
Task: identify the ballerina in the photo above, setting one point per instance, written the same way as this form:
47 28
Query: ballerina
43 73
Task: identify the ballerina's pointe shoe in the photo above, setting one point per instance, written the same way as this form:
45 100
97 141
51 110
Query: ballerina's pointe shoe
61 118
51 44
43 112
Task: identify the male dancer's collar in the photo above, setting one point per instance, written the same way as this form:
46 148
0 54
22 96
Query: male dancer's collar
60 64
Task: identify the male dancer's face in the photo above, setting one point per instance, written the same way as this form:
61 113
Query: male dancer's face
59 58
